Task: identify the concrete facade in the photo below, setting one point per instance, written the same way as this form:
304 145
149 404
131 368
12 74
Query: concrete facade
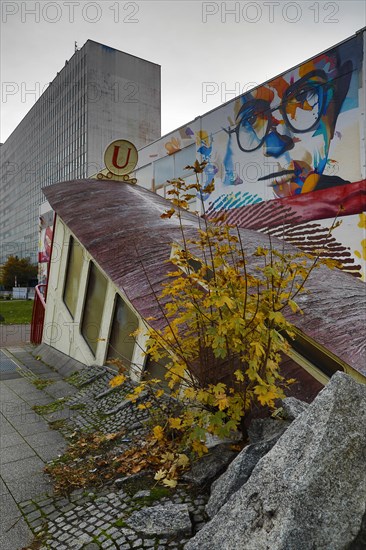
100 95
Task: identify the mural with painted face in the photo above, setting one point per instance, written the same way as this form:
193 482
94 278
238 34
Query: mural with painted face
293 119
288 156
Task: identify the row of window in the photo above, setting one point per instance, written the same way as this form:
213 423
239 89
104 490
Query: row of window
167 168
124 321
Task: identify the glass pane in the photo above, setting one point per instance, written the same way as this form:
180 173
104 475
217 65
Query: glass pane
72 279
183 158
157 370
93 307
144 176
163 170
121 343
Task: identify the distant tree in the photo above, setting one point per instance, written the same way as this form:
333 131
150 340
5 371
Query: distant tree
20 270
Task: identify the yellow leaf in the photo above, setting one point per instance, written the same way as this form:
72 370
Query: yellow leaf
143 406
167 457
160 474
258 348
210 187
168 213
158 433
224 300
293 305
190 393
277 317
182 461
175 423
221 401
170 483
117 381
260 251
199 448
239 375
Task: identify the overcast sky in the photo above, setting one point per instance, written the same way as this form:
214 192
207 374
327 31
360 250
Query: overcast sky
209 51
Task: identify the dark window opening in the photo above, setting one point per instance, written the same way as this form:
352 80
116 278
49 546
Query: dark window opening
72 278
124 323
93 307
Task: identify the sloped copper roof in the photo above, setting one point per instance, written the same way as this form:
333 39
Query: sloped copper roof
120 226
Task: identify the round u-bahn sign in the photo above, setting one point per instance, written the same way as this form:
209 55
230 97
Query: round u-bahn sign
120 157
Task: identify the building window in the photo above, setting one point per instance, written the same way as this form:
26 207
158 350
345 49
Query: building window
157 370
93 307
163 170
121 343
144 176
72 278
184 157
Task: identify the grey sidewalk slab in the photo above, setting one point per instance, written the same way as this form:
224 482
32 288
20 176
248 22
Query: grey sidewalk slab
26 416
41 400
3 488
20 536
31 428
21 469
10 440
15 453
7 395
9 512
5 426
49 452
22 387
14 531
60 389
29 488
26 444
26 441
44 438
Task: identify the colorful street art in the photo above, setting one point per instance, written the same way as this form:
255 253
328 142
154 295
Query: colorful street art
288 157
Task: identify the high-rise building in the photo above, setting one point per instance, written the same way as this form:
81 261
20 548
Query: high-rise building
100 95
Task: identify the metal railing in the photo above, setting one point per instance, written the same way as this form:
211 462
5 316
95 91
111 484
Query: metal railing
39 308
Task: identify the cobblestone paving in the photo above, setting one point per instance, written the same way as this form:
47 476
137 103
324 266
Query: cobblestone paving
89 520
107 408
95 518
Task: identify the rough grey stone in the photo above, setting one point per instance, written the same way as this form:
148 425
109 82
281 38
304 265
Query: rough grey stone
168 520
237 473
142 494
266 428
292 407
127 479
210 465
360 541
309 491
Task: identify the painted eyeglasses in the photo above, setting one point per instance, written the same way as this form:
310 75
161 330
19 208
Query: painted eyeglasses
302 105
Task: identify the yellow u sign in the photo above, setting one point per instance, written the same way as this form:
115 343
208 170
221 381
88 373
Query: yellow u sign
120 157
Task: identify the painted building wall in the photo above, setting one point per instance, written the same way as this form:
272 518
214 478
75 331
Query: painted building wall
287 157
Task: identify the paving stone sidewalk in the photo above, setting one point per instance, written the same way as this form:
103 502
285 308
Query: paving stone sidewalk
89 518
26 441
